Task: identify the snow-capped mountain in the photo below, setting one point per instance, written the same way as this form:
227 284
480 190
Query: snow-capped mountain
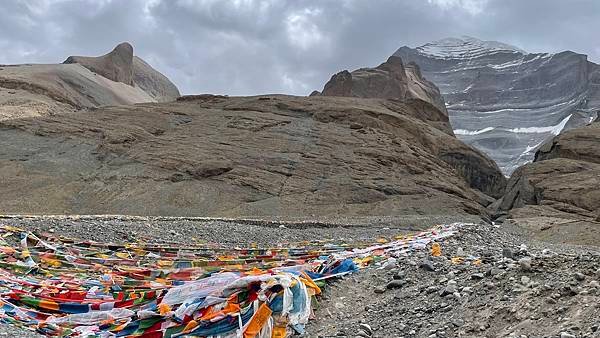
504 100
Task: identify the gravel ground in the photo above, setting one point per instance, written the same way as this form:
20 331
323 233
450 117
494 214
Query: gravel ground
224 231
540 290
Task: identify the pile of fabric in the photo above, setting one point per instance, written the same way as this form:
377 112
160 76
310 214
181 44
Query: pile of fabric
67 288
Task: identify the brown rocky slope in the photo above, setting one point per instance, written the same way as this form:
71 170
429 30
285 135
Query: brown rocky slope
559 193
395 80
245 156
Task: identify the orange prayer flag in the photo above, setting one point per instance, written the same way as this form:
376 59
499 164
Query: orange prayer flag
190 326
164 308
309 283
257 322
48 305
436 250
279 332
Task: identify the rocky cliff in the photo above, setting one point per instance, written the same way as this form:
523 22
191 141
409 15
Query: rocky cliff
116 65
390 80
559 193
565 175
505 101
396 81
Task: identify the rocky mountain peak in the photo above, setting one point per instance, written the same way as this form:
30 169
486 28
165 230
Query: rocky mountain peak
120 65
117 65
390 80
393 64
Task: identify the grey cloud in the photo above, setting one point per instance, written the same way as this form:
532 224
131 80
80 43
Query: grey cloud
242 47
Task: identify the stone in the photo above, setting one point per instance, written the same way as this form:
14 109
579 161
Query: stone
390 263
451 288
427 266
458 322
380 289
362 333
477 276
399 274
579 276
566 335
366 328
523 249
395 284
508 253
525 264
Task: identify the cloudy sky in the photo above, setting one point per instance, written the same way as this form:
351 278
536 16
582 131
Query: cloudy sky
242 47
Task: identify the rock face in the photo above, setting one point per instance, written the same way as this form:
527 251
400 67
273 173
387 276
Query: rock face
564 179
390 80
116 65
505 101
244 156
395 81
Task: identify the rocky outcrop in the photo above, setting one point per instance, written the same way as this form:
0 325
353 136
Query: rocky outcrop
244 156
81 82
390 80
116 65
120 65
581 144
507 102
395 81
565 177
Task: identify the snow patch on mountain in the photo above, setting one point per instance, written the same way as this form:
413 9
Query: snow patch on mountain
554 130
472 132
465 47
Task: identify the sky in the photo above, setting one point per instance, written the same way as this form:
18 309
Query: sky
246 47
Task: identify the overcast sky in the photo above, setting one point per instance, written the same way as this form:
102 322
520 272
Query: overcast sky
242 47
